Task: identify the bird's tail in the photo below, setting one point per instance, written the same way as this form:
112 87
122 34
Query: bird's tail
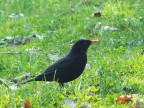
25 82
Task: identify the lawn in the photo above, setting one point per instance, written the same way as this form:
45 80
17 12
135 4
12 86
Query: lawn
36 33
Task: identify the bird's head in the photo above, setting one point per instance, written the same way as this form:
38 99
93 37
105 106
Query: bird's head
82 45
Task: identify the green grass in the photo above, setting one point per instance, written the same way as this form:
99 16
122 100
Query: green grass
117 61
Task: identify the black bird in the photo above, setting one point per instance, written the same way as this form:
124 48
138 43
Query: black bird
69 67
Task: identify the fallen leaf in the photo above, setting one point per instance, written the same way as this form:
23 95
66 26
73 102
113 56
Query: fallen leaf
70 103
88 66
123 99
26 104
97 25
19 40
97 14
27 39
53 57
13 15
40 37
109 28
13 87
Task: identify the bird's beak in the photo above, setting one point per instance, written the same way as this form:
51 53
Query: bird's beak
93 41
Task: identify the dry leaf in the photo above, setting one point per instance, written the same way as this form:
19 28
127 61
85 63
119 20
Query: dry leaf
27 39
13 87
26 104
13 15
97 25
97 14
123 99
109 28
19 40
53 57
70 103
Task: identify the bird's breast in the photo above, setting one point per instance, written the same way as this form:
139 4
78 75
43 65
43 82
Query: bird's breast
81 62
72 67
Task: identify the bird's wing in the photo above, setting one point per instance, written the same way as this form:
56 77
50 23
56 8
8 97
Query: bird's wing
63 64
57 69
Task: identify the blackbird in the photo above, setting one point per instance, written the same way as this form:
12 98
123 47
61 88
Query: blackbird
67 68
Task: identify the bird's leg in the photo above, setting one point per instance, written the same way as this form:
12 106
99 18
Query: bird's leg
61 85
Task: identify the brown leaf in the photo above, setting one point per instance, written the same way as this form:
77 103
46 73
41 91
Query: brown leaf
123 99
97 14
26 104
